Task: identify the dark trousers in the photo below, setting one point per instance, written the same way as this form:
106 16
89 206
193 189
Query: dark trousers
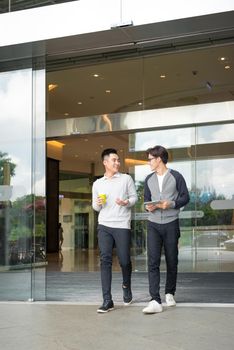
107 238
159 235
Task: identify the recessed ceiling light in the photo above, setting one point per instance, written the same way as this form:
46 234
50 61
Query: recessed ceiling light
227 67
95 75
66 114
52 86
108 91
163 76
222 58
101 146
86 140
79 103
139 103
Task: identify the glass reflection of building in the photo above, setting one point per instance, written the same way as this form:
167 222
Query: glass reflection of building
129 99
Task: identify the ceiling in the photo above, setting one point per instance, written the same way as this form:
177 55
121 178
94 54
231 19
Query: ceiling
158 81
185 62
191 77
89 148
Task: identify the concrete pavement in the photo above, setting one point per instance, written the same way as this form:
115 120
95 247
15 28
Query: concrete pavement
73 326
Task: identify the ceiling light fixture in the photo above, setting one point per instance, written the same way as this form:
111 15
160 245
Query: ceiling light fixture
79 103
108 91
163 76
95 75
222 58
140 103
55 143
52 86
227 67
131 162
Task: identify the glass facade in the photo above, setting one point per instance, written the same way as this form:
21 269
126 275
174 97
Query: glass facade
202 155
131 100
16 5
167 97
22 178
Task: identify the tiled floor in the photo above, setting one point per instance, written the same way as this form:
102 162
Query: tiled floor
190 260
75 276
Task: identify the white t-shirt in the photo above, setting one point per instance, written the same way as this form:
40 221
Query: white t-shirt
160 180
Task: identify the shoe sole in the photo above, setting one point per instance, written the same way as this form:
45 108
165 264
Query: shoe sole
126 304
152 312
170 305
104 312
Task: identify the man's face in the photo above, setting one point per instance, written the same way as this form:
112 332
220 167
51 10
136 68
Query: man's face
112 163
154 162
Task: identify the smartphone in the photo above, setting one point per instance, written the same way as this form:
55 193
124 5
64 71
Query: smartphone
151 202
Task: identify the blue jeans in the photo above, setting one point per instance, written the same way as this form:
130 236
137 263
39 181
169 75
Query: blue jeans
166 235
107 238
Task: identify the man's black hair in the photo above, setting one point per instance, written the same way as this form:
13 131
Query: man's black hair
108 151
158 151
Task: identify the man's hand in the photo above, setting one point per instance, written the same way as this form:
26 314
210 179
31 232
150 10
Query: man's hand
100 201
122 202
162 205
151 207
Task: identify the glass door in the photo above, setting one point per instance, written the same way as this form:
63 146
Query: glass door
22 180
205 157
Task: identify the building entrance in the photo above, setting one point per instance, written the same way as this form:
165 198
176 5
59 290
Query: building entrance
206 222
206 227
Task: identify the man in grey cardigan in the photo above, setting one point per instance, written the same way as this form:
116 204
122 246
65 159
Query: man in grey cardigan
164 194
113 195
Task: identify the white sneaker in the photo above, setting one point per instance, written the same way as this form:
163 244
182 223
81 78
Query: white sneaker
170 301
153 307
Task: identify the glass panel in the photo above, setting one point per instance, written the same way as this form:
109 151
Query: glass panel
102 91
189 80
16 5
207 222
38 178
179 144
15 189
149 83
214 234
21 183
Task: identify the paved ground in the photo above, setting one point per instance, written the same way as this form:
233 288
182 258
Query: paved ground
78 327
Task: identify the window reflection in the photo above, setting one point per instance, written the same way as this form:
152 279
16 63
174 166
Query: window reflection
205 157
22 212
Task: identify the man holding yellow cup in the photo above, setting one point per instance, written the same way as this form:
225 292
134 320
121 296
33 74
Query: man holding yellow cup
113 195
102 196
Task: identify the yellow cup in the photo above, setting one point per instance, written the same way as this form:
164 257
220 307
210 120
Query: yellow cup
103 197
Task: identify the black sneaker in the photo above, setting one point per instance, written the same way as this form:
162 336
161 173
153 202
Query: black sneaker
107 306
127 295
